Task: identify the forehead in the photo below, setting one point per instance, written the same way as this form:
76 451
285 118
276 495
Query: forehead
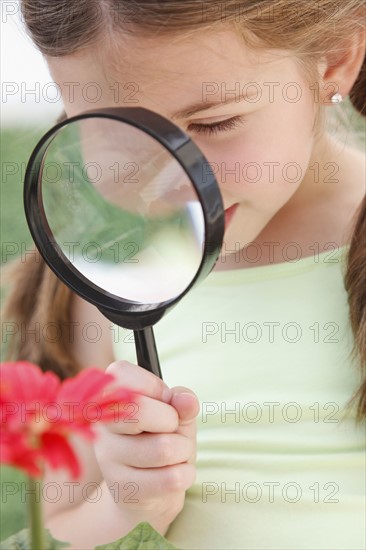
195 55
171 71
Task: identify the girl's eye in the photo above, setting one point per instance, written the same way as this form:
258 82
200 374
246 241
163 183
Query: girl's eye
216 127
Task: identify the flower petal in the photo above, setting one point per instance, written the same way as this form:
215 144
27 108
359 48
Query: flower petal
23 382
15 451
59 454
85 386
114 405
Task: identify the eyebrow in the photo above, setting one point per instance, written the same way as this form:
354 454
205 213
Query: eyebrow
204 106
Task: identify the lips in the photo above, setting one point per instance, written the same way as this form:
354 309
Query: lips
229 213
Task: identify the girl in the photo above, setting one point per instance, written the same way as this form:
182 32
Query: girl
266 341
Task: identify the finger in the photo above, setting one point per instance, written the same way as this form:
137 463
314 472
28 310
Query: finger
149 484
186 402
187 406
140 380
145 415
153 450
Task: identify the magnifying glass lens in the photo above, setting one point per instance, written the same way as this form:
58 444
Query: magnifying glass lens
122 210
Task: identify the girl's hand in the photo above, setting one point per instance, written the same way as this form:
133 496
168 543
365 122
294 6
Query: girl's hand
148 458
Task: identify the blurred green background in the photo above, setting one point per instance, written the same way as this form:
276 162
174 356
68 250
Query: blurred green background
15 148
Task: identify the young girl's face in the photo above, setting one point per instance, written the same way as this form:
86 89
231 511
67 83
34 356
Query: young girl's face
251 113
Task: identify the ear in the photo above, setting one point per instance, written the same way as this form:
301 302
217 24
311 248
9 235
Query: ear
341 66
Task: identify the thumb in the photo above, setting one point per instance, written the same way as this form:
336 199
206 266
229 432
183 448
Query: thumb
187 405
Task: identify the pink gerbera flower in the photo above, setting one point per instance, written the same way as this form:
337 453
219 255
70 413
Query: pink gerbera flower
38 413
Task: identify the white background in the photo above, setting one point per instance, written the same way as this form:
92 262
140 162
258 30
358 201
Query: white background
23 68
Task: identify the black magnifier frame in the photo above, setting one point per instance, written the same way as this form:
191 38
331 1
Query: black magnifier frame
128 313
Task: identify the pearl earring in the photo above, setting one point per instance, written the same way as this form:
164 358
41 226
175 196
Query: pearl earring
336 98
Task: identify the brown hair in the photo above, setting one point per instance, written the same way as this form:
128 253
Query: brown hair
309 29
39 303
355 284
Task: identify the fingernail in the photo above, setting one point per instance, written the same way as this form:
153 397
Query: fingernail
183 394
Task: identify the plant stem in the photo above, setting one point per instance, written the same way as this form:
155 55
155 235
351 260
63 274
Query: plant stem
35 514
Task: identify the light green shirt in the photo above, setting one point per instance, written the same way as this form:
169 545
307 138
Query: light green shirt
267 351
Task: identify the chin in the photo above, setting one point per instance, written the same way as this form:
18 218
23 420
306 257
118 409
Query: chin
236 239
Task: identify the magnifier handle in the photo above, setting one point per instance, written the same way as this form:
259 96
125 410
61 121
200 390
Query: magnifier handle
147 355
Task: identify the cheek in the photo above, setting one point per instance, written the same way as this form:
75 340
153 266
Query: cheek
265 163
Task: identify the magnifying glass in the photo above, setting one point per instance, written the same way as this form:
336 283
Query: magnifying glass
124 208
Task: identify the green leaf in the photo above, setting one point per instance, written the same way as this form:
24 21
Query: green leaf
21 541
142 537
